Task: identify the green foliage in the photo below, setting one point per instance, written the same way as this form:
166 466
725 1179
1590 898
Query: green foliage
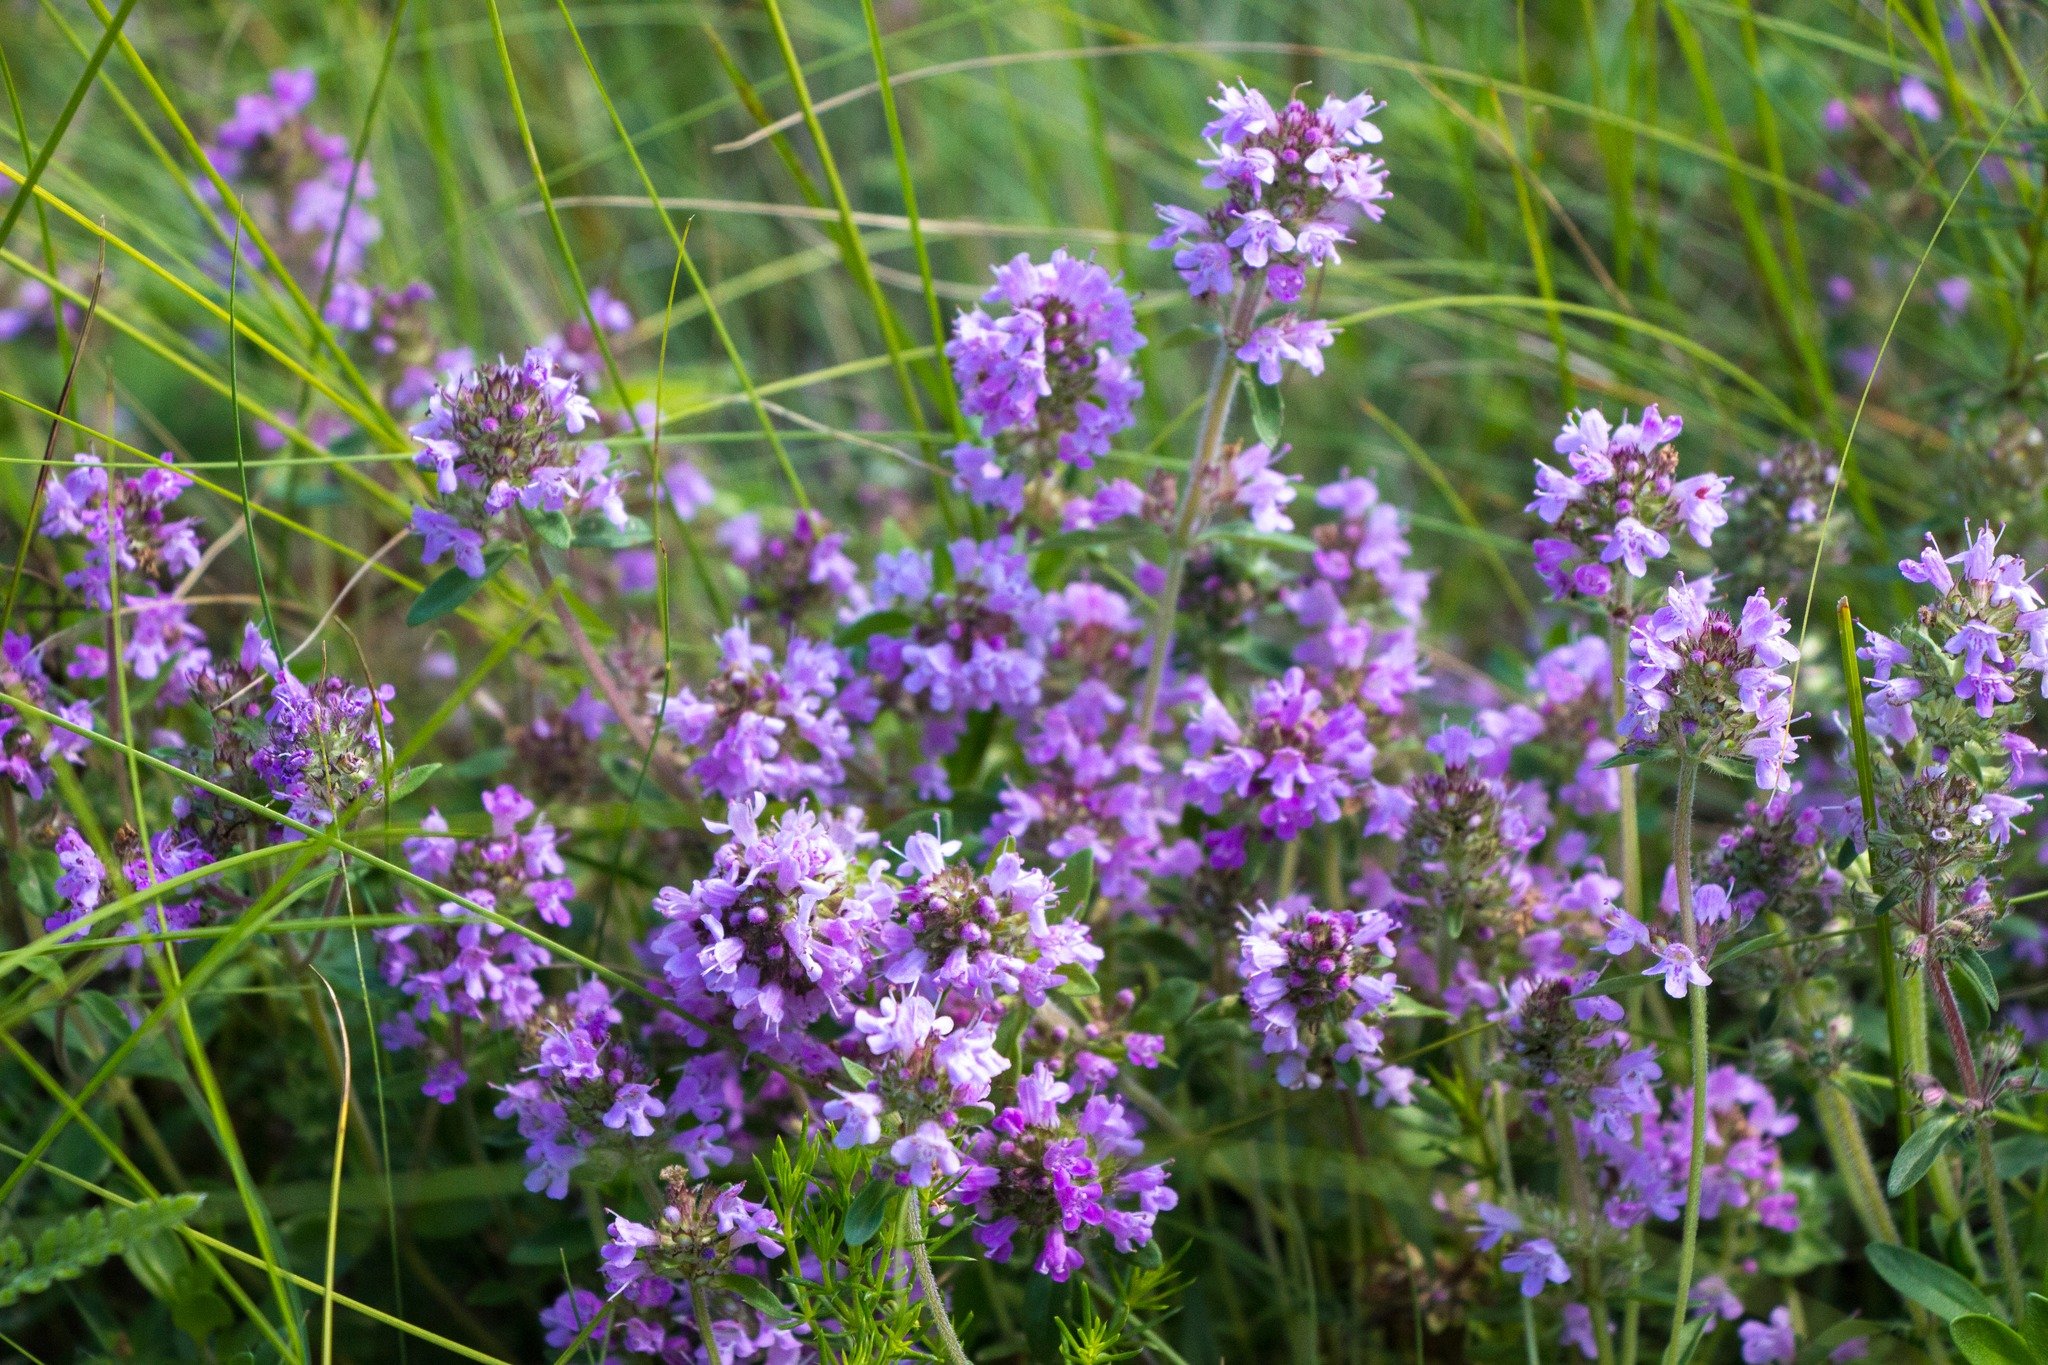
71 1246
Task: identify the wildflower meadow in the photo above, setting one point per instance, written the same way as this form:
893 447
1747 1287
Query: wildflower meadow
857 681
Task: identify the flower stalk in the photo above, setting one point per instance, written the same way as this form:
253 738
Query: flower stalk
1223 377
1696 1002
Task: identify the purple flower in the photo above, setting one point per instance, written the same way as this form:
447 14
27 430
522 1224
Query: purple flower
1052 377
1309 988
1680 968
1538 1263
1769 1343
494 441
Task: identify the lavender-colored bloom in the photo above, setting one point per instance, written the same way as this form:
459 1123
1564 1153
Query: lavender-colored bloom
1309 987
493 441
770 938
1685 660
1769 1343
129 538
758 727
1294 179
1914 96
1053 375
1680 967
1538 1263
1617 503
295 179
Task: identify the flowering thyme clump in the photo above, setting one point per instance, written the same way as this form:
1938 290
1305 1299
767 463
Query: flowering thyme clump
1619 504
696 1236
770 940
1311 990
1294 179
493 439
1050 380
1040 1169
1296 761
295 180
1712 687
756 727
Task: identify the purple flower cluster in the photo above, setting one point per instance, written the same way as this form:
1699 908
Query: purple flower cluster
494 440
755 727
133 549
26 751
1619 503
1707 685
1040 1169
1312 994
590 1099
1294 179
1049 380
292 178
455 965
975 639
1981 642
772 939
1295 761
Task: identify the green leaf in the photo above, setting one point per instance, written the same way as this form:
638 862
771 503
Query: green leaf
2019 1155
757 1295
1077 981
594 532
1614 985
453 588
1918 1155
1244 533
1169 1002
551 527
857 1073
1983 1340
864 1216
1972 1000
868 627
411 780
1629 758
1978 972
1406 1006
2034 1326
1927 1282
1724 956
1269 409
67 1249
1076 883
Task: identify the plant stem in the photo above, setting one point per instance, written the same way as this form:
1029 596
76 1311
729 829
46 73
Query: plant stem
700 1303
1215 419
1696 1000
1630 823
1973 1086
586 649
913 1217
1581 1191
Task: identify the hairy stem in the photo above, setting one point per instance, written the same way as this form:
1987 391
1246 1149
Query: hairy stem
1696 1000
700 1301
1973 1086
1629 824
1215 420
1580 1190
586 649
913 1217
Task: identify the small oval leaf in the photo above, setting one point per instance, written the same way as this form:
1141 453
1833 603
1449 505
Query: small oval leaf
1927 1282
1918 1156
1983 1340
